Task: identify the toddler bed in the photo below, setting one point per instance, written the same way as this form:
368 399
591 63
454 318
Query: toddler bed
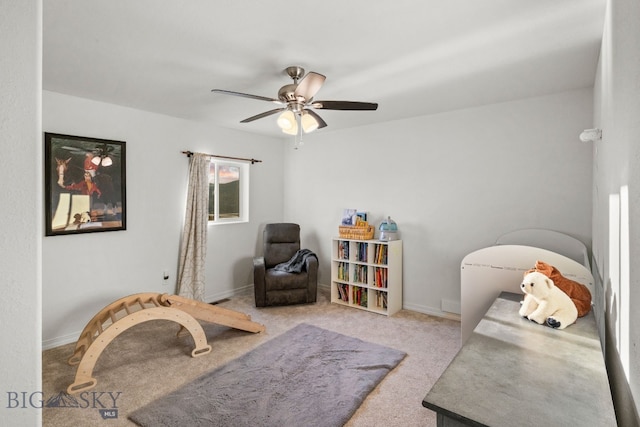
488 271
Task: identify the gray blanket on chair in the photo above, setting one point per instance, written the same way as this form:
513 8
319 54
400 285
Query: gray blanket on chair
297 262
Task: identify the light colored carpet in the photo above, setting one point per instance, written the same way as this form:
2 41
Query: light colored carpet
308 376
148 361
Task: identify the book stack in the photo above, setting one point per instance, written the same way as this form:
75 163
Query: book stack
381 299
361 252
343 292
360 296
343 271
360 274
380 279
380 254
343 250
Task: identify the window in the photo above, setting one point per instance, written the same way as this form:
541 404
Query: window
228 192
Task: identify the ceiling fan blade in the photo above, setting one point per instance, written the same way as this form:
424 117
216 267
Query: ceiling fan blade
261 115
321 123
246 95
309 85
345 105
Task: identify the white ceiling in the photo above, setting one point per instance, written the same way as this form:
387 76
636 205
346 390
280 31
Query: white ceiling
413 57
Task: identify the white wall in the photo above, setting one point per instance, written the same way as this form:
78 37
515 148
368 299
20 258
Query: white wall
616 165
84 273
20 250
453 182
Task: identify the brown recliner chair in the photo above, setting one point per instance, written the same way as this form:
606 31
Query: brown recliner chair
278 286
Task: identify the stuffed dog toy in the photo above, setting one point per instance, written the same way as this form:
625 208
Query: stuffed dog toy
545 303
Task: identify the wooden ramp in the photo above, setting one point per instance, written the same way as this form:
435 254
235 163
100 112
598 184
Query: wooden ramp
132 310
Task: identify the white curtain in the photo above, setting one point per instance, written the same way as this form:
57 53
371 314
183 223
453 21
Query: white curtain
193 248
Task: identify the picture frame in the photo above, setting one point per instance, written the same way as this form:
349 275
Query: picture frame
84 184
349 217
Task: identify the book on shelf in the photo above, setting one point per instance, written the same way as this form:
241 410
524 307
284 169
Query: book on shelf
361 251
343 249
380 254
381 277
343 271
381 299
343 292
360 273
359 296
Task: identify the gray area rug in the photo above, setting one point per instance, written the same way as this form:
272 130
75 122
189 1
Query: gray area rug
308 376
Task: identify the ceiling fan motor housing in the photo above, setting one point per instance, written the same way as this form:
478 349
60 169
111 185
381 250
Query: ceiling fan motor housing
297 97
286 93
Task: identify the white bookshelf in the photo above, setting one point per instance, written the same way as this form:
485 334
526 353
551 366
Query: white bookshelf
367 274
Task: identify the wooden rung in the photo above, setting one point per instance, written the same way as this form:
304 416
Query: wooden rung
90 327
98 324
112 316
139 300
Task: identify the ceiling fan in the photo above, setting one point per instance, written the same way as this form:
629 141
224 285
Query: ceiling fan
297 104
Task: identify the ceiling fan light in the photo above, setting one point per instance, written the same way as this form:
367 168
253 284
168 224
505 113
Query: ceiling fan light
293 130
96 160
309 123
287 121
107 161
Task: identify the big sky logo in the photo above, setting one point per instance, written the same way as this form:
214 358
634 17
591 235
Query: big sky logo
106 402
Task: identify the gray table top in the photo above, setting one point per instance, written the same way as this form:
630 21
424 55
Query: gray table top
512 371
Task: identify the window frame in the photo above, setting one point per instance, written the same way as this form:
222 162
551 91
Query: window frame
243 190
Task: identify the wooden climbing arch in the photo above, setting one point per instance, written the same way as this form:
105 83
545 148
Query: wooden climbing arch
132 310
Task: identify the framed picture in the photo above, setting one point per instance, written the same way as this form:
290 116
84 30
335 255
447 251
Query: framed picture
349 217
84 184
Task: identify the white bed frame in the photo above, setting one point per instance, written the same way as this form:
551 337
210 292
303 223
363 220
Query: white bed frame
487 272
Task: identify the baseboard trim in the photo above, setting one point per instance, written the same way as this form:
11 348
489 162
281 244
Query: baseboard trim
431 311
61 340
217 296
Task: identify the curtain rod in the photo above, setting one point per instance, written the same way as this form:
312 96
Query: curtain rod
190 153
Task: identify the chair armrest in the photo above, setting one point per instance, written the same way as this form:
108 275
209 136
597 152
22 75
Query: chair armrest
259 263
259 286
312 266
312 276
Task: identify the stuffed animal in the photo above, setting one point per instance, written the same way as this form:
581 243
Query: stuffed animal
544 302
578 292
